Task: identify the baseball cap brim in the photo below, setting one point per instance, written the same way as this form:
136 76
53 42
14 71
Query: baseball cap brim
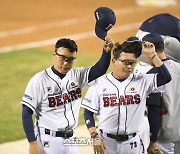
133 39
100 32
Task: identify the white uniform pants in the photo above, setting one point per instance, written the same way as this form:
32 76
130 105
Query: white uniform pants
130 146
144 132
54 145
169 147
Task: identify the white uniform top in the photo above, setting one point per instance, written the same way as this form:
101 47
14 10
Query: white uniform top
143 68
170 130
120 105
55 101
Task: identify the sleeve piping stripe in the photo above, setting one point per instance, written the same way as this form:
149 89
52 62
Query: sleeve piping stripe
29 105
87 107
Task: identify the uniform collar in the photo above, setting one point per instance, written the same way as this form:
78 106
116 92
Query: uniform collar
57 73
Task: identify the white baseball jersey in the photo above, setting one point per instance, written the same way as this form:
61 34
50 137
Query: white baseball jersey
170 129
55 101
120 105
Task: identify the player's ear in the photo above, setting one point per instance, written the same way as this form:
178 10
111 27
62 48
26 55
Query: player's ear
113 60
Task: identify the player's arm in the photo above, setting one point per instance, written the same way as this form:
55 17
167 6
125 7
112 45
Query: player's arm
90 123
163 75
29 130
102 65
153 106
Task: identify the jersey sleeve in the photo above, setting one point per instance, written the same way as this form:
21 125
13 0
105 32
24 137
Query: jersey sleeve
151 80
90 101
32 93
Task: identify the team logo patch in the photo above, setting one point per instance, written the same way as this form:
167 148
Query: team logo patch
132 89
46 144
88 121
73 84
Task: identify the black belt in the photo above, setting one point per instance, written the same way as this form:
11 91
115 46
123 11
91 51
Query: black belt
67 134
121 137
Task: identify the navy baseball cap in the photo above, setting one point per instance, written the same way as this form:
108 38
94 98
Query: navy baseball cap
163 24
105 20
156 39
133 39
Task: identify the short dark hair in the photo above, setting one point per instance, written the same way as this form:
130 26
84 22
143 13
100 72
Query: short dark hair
66 43
127 47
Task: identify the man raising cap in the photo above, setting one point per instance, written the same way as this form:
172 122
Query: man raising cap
167 105
54 96
118 99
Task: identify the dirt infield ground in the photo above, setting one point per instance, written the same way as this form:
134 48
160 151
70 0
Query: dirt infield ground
39 23
24 22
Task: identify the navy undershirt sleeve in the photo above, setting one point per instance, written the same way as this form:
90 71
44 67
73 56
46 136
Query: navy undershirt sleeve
153 104
154 101
100 67
154 121
89 119
163 75
28 123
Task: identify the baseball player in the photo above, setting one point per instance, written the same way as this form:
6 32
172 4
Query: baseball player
118 99
151 103
54 94
168 26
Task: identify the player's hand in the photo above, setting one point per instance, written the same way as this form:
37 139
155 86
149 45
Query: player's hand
150 54
98 145
108 44
34 148
153 148
148 49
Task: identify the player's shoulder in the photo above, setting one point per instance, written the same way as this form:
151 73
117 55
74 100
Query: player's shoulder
171 63
172 66
42 74
143 65
104 78
99 81
78 69
142 68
